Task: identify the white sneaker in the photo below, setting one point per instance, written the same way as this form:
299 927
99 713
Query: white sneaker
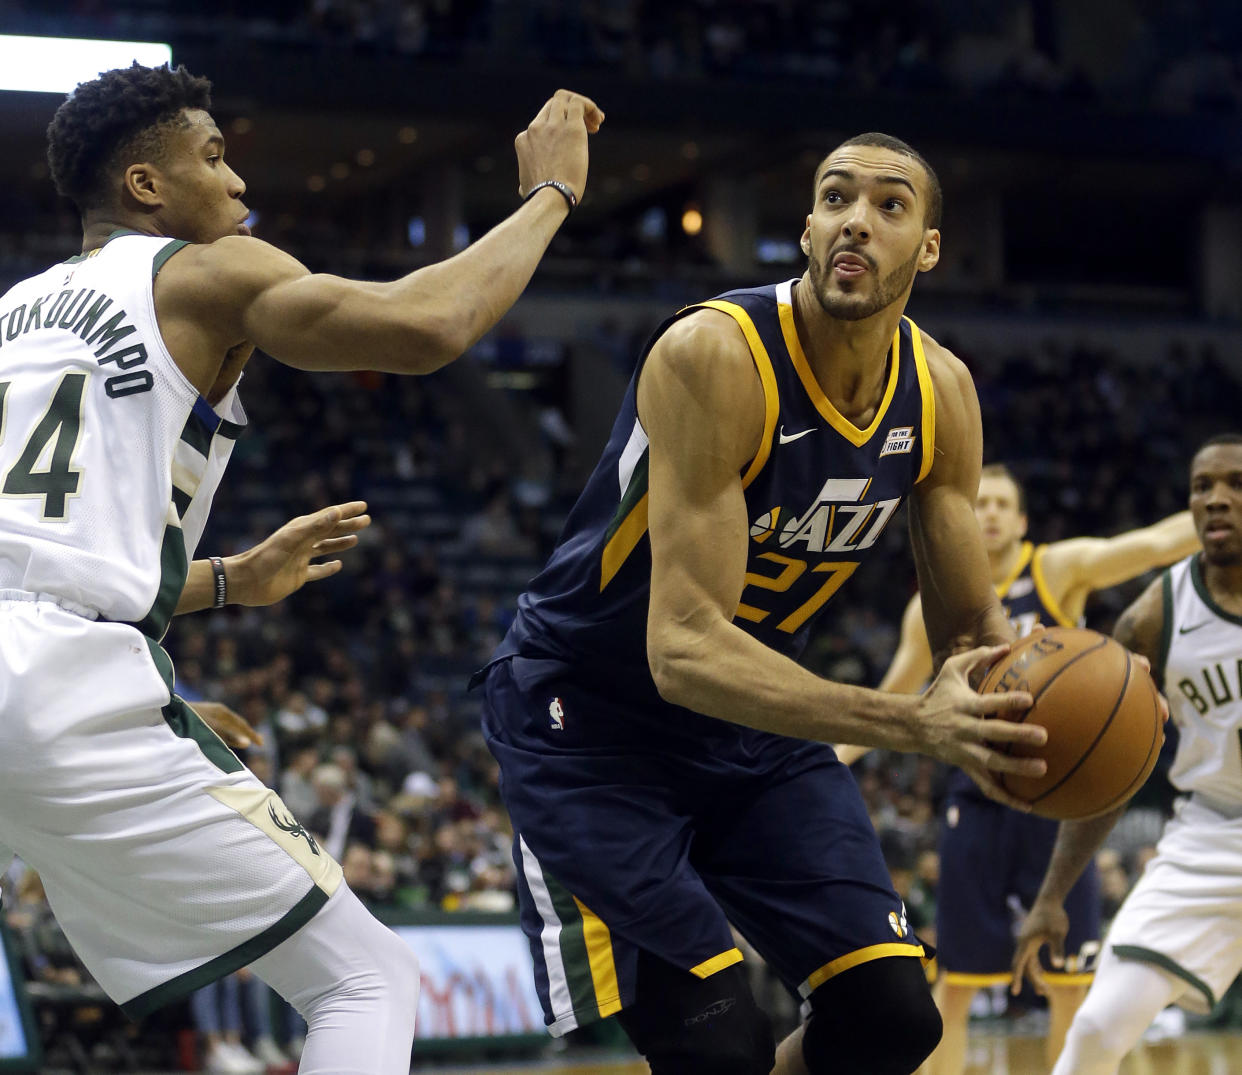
229 1059
1169 1023
266 1050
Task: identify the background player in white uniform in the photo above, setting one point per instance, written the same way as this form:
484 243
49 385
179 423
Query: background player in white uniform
1178 937
166 862
1048 585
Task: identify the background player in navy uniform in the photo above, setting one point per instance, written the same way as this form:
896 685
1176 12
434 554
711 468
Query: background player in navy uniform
988 854
663 757
1177 938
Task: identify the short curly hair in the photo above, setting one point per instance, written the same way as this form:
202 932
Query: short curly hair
123 113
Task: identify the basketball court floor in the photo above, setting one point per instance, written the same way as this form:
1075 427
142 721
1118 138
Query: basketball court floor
1192 1054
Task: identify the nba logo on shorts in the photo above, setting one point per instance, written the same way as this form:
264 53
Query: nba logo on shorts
557 712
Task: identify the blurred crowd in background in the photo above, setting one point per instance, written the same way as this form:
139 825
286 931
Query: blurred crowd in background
1173 56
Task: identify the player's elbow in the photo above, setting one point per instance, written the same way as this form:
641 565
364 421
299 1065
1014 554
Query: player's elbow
431 341
415 336
673 655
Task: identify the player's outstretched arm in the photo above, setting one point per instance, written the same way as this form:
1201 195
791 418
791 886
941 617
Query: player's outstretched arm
281 563
1096 563
910 669
1140 629
701 404
213 297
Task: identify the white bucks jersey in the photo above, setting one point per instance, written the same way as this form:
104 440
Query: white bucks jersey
1202 651
109 457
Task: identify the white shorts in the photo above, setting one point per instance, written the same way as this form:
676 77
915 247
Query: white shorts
165 861
1185 913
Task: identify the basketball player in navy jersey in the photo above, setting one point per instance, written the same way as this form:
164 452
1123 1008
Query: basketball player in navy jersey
990 855
663 757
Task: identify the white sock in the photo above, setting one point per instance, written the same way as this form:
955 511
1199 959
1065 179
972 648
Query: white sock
1125 996
356 984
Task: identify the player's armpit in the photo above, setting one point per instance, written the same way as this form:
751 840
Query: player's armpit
1140 628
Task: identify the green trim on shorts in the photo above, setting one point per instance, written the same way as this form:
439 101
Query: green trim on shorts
234 959
1159 959
574 952
161 660
187 724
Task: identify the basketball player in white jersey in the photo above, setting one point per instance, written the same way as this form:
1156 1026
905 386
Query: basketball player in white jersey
166 862
1038 585
1178 936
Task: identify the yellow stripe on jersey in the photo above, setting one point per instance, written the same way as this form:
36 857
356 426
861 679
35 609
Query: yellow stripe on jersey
1024 558
767 377
634 526
928 392
599 956
854 959
1045 594
838 421
717 963
623 541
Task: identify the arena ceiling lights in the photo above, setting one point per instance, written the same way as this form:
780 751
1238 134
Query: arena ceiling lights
58 64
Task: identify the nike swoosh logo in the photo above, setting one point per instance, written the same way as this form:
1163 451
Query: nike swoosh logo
795 436
1187 630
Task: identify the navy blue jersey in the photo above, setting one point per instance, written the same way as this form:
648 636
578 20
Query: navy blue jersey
819 493
1025 596
1028 603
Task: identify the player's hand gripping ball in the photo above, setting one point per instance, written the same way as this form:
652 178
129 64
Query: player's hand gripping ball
1103 715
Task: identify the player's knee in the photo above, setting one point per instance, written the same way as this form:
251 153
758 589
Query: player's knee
1095 1038
878 1018
721 1040
709 1027
401 972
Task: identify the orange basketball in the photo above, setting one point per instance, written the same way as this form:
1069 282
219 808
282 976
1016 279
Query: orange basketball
1102 713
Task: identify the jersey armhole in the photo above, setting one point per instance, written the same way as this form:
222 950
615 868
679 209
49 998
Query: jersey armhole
164 253
767 378
1045 594
1166 627
928 393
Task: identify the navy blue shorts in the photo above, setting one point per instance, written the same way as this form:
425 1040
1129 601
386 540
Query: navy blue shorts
992 861
632 834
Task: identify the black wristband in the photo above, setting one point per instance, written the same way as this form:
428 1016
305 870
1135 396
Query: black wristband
221 594
555 184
